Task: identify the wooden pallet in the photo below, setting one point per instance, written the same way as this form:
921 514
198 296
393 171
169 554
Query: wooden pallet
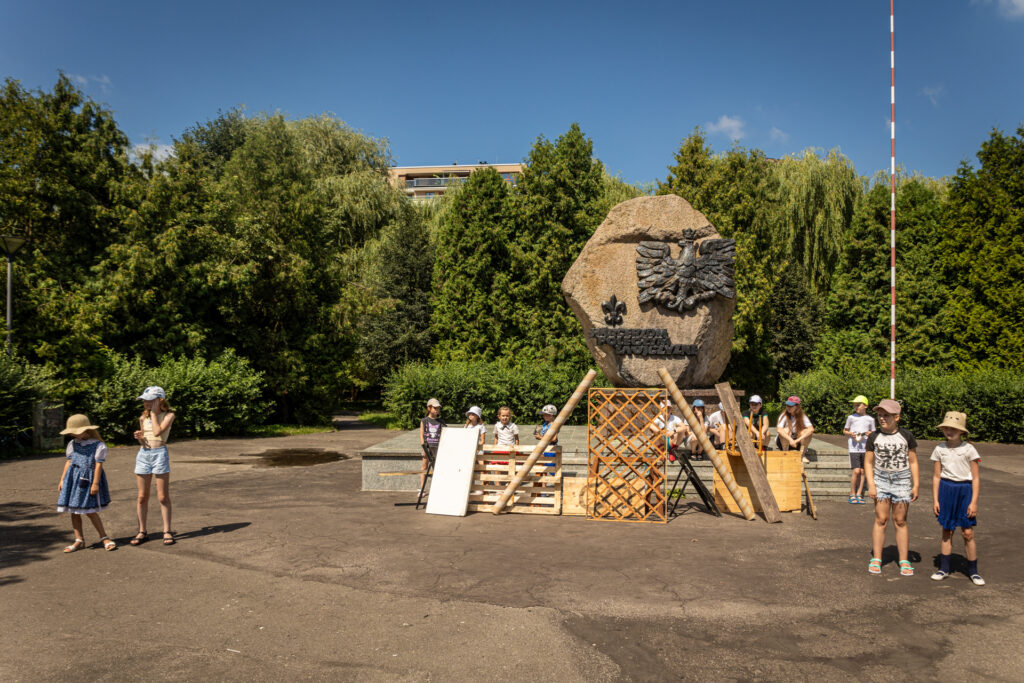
496 466
783 469
626 456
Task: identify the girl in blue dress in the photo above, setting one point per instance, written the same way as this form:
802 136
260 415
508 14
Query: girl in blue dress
83 486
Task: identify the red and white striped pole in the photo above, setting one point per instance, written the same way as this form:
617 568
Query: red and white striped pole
892 207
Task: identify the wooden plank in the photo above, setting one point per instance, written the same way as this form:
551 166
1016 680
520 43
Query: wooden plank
783 470
453 472
401 473
755 470
698 429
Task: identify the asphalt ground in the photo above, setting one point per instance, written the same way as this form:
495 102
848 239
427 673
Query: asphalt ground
293 573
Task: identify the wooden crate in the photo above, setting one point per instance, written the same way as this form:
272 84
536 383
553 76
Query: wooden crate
496 466
783 469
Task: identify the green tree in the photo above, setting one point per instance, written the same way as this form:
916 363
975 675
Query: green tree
794 322
67 185
559 201
982 255
472 247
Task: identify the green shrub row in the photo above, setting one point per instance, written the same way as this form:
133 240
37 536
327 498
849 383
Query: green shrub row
991 398
221 396
525 388
21 385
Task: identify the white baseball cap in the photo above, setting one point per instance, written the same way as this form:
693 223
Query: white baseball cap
549 410
152 393
755 399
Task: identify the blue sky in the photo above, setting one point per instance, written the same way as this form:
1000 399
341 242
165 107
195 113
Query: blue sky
468 81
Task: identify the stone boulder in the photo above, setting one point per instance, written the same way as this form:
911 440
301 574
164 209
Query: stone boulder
626 337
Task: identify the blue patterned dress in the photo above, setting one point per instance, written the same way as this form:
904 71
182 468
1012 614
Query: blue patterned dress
74 494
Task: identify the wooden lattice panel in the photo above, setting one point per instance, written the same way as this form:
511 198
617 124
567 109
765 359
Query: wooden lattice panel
541 490
626 456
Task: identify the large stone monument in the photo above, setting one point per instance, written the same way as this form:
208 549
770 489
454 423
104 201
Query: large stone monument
654 288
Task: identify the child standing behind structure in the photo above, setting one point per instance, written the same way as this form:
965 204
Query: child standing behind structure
506 432
430 435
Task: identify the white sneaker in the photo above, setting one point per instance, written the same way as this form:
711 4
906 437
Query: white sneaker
805 460
978 581
939 575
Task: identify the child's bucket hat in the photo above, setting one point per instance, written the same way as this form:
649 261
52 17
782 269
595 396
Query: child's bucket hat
475 410
77 424
956 421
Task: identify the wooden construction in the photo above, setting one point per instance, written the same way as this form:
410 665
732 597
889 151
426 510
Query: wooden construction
540 492
698 429
574 496
753 466
626 456
542 445
782 470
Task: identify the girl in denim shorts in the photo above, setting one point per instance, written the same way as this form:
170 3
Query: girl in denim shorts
154 461
890 467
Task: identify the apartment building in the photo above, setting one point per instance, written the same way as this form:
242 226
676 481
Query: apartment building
424 183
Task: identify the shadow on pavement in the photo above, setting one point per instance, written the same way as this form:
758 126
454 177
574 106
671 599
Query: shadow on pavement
215 529
24 541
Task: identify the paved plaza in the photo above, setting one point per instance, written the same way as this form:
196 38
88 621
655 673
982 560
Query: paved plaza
292 573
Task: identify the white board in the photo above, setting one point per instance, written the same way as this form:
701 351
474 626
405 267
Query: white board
453 472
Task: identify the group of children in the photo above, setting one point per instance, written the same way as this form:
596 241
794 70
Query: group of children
882 459
83 489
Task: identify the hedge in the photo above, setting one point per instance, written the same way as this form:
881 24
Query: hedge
21 385
991 398
221 396
461 384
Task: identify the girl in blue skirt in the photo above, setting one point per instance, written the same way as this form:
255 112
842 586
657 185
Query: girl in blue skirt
83 486
955 492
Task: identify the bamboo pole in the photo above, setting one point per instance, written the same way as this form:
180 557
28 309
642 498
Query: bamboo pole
539 449
705 443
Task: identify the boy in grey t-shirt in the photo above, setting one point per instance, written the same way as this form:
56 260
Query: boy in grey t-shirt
858 426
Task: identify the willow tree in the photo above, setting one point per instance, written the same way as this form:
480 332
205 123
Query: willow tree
817 200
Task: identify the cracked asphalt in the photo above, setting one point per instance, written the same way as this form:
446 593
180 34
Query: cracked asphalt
294 573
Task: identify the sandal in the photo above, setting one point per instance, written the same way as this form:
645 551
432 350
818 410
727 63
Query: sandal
875 566
939 575
905 568
77 545
108 543
140 538
169 538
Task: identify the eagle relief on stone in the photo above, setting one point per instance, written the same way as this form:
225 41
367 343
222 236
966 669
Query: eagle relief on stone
701 272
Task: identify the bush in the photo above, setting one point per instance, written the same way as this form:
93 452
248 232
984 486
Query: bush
221 396
461 384
991 397
21 385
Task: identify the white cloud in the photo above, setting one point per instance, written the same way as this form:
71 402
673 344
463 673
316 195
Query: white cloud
934 92
731 127
778 135
159 151
104 82
1012 9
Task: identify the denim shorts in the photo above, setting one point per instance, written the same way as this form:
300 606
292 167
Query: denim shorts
895 486
153 461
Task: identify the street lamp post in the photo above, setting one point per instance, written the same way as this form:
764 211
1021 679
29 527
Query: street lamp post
9 245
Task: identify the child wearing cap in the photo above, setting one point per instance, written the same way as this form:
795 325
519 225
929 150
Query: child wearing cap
430 435
794 428
153 460
547 416
83 486
692 442
757 422
890 466
672 429
858 425
955 484
475 420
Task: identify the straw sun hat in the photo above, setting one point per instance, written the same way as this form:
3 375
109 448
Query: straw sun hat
956 421
77 424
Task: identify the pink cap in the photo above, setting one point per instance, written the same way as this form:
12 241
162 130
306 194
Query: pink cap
890 406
